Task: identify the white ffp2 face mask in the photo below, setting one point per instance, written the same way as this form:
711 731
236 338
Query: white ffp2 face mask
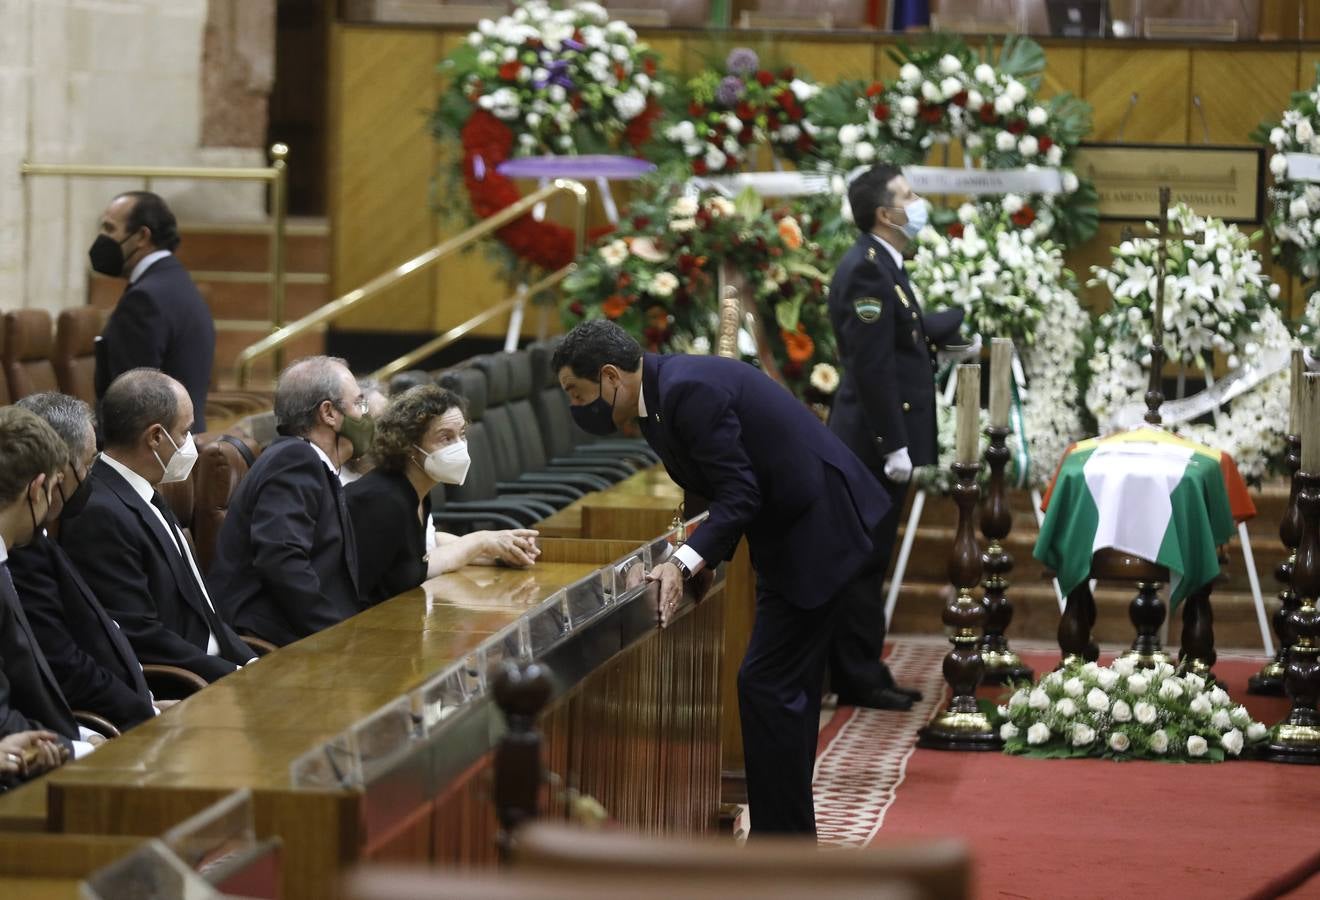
182 462
448 465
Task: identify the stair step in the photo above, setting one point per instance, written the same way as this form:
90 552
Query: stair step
245 247
231 342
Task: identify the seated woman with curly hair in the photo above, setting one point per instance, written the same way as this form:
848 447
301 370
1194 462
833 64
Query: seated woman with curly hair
420 442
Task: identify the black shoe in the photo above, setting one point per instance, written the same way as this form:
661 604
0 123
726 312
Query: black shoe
913 693
878 698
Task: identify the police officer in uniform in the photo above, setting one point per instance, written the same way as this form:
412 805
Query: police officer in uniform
885 407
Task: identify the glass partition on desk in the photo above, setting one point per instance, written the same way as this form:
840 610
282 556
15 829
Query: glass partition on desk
152 872
630 571
220 844
510 642
355 756
548 624
585 598
441 697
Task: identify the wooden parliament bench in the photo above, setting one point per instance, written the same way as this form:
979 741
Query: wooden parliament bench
370 741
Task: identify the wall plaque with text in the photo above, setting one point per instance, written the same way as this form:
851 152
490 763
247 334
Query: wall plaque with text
1224 182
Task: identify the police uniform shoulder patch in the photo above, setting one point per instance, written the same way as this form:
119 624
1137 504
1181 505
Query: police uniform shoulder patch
868 308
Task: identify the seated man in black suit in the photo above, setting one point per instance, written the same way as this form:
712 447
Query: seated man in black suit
128 545
96 668
32 458
161 321
286 559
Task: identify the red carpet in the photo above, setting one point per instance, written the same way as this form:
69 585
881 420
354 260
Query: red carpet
1101 829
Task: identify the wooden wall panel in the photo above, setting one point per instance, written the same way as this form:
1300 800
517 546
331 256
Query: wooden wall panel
1237 89
1160 78
1306 74
1063 71
828 61
383 88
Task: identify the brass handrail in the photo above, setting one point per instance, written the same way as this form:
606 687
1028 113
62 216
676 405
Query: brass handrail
276 175
439 342
343 304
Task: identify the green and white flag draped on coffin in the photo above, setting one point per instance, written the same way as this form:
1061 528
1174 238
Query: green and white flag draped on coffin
1146 493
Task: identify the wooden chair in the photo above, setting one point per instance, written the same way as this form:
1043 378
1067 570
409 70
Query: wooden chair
74 359
222 462
26 355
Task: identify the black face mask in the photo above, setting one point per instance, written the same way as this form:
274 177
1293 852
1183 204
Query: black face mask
107 255
596 417
77 499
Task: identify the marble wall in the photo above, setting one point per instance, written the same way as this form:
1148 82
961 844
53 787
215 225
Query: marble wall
121 82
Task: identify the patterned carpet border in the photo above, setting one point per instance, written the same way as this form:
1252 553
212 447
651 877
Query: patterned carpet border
861 767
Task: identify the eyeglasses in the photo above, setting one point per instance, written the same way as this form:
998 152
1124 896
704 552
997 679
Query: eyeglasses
360 405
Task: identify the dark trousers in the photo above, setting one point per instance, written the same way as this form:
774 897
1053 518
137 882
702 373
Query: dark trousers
859 637
779 688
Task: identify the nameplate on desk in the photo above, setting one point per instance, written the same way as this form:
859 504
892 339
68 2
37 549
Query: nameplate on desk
1224 182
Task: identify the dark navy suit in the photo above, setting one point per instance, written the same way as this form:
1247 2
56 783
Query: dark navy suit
286 559
772 472
161 322
90 657
30 696
886 401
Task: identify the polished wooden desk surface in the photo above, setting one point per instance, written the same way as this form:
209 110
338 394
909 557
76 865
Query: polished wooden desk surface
247 728
38 867
647 489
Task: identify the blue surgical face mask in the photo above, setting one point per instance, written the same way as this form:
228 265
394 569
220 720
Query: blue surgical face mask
918 217
596 417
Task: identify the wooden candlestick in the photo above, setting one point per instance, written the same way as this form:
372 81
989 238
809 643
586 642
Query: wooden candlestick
1001 663
962 725
969 415
1297 736
1155 393
1269 680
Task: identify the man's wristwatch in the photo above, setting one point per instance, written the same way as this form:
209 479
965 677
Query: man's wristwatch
683 570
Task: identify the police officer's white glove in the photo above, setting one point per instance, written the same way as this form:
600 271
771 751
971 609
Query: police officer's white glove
954 355
898 466
1312 364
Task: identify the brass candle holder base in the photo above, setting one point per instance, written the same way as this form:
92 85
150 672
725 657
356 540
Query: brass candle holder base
1003 667
962 725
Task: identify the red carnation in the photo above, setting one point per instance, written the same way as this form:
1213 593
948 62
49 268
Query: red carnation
534 43
1017 126
787 73
509 71
881 112
744 111
876 89
1045 143
696 110
931 114
956 230
577 309
641 223
959 99
988 114
765 78
623 281
620 72
703 217
746 136
1024 217
804 142
699 166
648 66
576 102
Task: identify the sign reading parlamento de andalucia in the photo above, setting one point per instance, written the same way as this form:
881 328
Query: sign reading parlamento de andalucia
1224 182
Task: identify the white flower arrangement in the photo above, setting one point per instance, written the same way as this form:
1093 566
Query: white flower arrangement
1218 303
555 75
1011 283
1294 219
1149 714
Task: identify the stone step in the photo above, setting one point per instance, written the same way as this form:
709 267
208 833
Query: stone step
1036 615
245 247
236 296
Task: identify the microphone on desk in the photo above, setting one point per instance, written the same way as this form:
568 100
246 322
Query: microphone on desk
1132 103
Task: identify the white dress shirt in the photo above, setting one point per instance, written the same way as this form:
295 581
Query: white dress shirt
143 489
145 263
684 554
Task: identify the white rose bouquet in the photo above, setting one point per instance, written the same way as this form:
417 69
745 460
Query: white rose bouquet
1011 283
1294 217
1121 711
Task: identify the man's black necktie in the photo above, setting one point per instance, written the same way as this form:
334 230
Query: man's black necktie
208 612
170 522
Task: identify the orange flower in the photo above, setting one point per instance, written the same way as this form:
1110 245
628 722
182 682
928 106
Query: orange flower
614 306
790 232
798 345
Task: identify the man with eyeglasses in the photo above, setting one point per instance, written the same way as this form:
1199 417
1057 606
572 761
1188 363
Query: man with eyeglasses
286 559
126 541
88 653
